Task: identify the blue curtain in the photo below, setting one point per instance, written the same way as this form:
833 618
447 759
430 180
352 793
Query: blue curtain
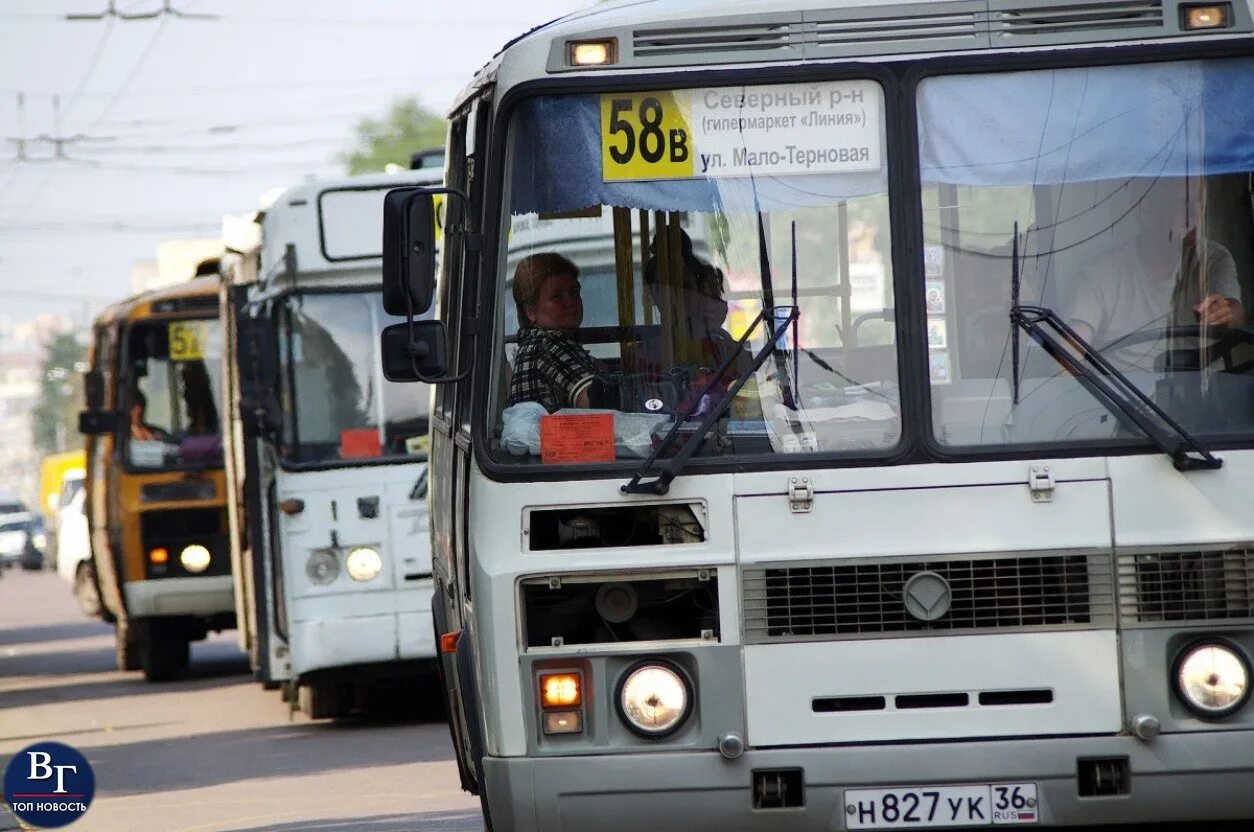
1085 124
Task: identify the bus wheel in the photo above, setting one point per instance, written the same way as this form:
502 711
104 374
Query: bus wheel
126 646
164 653
85 591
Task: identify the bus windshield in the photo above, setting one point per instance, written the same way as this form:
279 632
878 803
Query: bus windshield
337 407
646 234
1130 191
176 397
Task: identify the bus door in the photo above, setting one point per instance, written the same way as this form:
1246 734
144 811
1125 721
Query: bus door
259 414
103 510
451 451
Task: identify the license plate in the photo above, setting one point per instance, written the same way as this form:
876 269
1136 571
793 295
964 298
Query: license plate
920 807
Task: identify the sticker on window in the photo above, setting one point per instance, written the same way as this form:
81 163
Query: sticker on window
571 437
933 261
356 443
938 367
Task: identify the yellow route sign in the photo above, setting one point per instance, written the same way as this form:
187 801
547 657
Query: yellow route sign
644 136
187 340
774 130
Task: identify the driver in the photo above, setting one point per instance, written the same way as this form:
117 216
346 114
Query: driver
1169 276
140 429
549 367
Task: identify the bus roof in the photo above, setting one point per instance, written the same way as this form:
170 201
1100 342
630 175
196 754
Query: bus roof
656 34
334 227
199 296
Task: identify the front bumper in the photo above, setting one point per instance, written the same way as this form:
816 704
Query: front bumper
325 643
208 595
1177 777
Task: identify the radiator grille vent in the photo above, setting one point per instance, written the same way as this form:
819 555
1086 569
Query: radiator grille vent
1186 586
1061 19
690 40
892 29
861 598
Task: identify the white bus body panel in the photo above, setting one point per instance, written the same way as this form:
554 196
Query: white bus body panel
967 519
348 622
1080 668
1155 505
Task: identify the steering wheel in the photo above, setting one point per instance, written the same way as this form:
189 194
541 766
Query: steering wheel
1223 341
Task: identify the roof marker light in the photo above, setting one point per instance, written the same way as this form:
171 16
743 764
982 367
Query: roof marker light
592 52
1215 16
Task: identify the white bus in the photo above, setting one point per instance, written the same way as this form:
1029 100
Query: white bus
328 471
946 434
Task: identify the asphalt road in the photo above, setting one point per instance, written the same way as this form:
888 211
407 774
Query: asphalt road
212 752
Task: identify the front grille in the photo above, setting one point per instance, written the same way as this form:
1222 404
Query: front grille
1103 18
177 491
175 529
701 39
894 27
866 598
1168 587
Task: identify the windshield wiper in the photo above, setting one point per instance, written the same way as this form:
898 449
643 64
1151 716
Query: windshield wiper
1104 380
663 478
1112 387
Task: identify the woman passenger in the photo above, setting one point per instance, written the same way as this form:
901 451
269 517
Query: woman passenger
549 367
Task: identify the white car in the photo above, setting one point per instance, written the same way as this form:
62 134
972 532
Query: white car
21 537
73 542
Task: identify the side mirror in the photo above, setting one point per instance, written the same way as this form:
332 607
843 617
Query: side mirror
425 358
97 422
93 389
408 250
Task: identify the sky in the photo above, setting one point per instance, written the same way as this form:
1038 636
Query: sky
165 124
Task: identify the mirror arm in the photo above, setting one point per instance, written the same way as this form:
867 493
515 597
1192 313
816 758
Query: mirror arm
418 350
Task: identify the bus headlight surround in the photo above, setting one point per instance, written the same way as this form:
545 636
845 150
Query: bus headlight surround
654 699
363 563
195 558
323 567
1212 678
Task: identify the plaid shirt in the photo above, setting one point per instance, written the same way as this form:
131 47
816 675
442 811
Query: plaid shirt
549 368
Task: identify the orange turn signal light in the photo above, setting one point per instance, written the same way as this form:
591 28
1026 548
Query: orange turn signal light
448 641
159 555
560 690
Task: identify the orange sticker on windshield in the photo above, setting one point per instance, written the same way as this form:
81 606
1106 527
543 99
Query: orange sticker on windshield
577 437
359 442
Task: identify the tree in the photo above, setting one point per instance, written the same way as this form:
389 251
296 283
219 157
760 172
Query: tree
408 127
60 396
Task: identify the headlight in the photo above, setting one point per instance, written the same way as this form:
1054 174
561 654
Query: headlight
195 558
323 567
654 699
363 563
1212 679
40 540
